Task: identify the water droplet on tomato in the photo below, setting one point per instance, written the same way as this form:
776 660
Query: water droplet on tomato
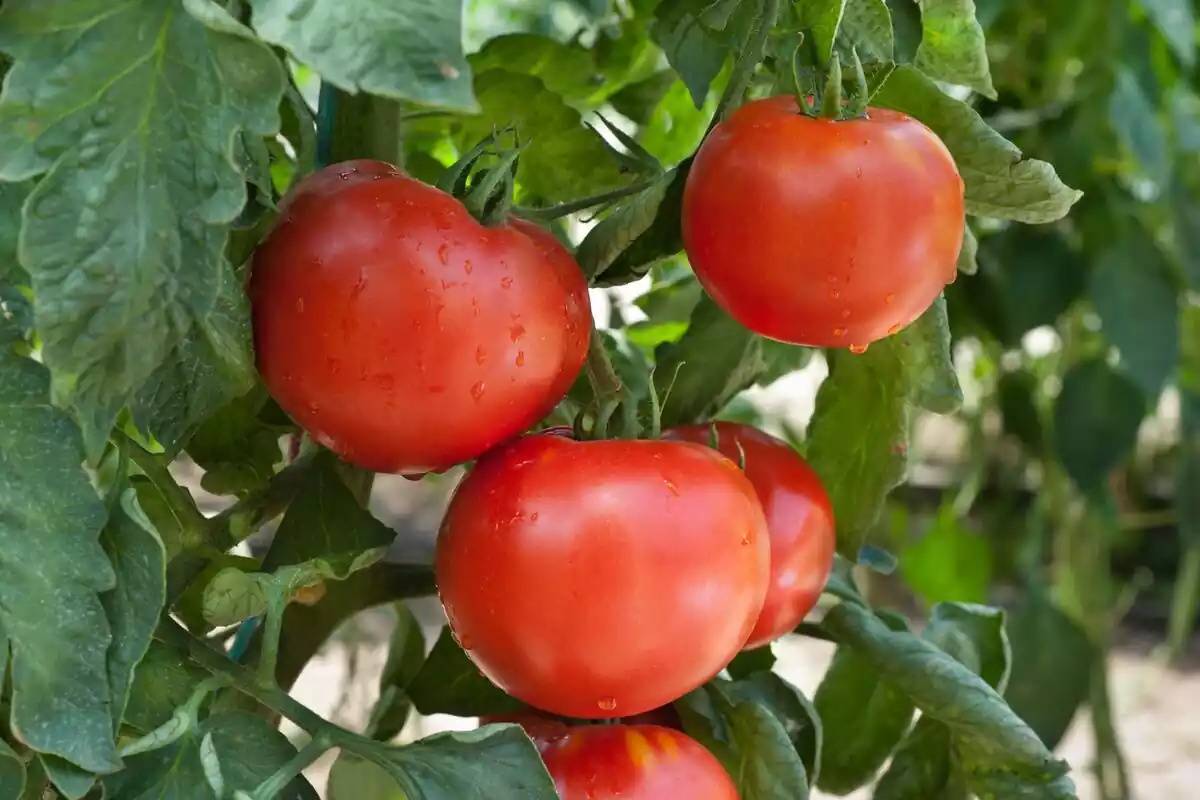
467 268
474 306
385 382
466 643
893 329
415 476
521 358
335 366
845 313
671 487
505 283
533 517
831 278
299 305
835 294
477 391
858 349
607 703
889 298
953 276
443 222
480 355
444 253
746 538
839 332
345 175
360 284
516 332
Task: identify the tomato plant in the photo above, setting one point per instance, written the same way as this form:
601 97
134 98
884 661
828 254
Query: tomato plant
556 559
638 762
254 253
799 521
400 332
791 193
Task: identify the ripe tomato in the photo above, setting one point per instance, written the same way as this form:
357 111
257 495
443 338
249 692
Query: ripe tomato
822 233
799 519
400 332
606 578
634 762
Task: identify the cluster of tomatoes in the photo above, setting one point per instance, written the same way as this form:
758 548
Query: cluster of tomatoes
597 580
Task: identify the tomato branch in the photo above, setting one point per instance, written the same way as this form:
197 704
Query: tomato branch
750 53
551 213
192 523
273 786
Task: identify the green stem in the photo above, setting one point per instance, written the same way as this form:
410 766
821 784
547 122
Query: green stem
249 514
813 631
1183 606
750 53
274 785
364 126
551 213
601 375
192 524
277 598
1111 774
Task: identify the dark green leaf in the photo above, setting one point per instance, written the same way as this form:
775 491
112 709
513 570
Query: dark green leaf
1135 295
619 235
1038 276
408 50
1051 669
790 707
134 606
749 662
999 183
449 683
405 657
1018 412
967 264
53 568
867 27
1176 21
949 562
638 101
1135 121
952 48
923 767
863 720
715 359
325 525
563 160
162 682
497 762
71 781
237 450
994 745
821 18
975 636
1096 419
12 197
248 749
12 773
1186 206
137 150
694 46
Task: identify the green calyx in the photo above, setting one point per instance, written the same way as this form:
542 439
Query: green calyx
827 99
486 192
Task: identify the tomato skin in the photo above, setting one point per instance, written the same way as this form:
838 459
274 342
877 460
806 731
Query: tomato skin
822 233
799 519
602 578
401 333
634 762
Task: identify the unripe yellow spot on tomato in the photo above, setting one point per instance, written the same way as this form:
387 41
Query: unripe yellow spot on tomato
667 744
640 751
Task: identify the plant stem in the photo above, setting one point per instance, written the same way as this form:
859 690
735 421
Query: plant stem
1111 775
249 514
1183 606
357 126
601 375
272 786
551 213
750 53
192 524
277 598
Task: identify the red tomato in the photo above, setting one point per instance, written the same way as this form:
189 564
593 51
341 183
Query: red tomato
634 762
602 579
822 233
799 519
400 332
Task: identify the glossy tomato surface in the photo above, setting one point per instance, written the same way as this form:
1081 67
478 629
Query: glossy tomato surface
799 519
634 762
400 332
821 232
602 579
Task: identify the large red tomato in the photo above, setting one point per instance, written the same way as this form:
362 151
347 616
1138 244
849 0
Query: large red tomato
799 519
400 332
602 579
821 232
634 762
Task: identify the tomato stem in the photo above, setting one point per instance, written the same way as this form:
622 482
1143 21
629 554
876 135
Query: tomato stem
551 213
750 53
831 99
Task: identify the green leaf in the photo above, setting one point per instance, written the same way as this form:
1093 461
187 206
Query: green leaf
138 151
822 19
53 568
999 182
1135 295
408 50
949 562
237 450
714 360
162 682
676 127
1096 419
247 748
498 762
450 683
1051 669
355 778
634 227
406 655
923 767
858 436
326 528
952 46
563 160
867 27
1039 276
1185 205
12 197
748 662
976 637
134 606
1135 121
863 720
1018 411
967 255
995 747
789 706
12 773
690 32
71 781
1176 21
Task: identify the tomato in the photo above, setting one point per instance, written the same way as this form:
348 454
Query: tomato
820 232
634 762
602 578
799 520
400 332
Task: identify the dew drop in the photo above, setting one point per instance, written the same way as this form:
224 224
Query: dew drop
466 643
858 349
444 253
607 703
385 382
335 366
505 283
831 278
889 298
516 332
845 313
345 175
839 332
521 358
480 355
299 305
893 330
746 538
835 294
467 268
477 391
671 487
533 517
